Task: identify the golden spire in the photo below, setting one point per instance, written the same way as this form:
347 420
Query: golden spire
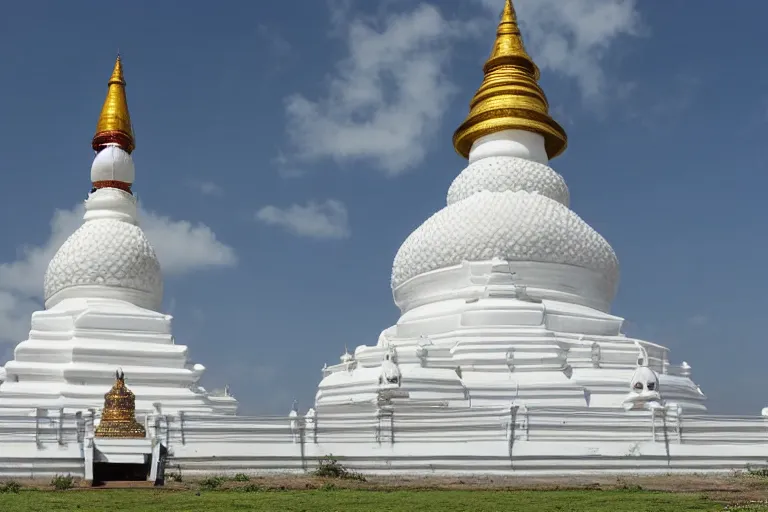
118 416
509 97
114 124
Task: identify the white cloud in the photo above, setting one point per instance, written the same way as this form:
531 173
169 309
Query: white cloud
207 188
572 37
386 99
181 247
315 220
277 44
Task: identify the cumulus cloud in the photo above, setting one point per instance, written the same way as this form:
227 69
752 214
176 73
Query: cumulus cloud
181 247
207 188
573 37
315 220
386 99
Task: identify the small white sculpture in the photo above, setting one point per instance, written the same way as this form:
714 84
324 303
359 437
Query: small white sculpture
293 415
596 355
510 359
644 386
422 349
390 373
346 357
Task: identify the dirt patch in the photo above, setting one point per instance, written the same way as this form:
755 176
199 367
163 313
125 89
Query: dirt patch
726 489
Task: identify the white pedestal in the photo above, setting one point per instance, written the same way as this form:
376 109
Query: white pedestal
122 451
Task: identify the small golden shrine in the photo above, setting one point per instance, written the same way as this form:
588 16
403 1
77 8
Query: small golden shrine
118 417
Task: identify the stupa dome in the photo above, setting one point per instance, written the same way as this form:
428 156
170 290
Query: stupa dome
508 173
512 225
108 250
113 164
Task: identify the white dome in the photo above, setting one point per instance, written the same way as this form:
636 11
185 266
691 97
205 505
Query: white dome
507 173
512 225
106 252
113 164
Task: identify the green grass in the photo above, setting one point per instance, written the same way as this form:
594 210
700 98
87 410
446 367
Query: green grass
347 500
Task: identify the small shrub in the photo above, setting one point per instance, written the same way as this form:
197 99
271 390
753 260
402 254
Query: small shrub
251 488
211 483
11 486
328 486
330 467
241 477
174 477
759 471
62 483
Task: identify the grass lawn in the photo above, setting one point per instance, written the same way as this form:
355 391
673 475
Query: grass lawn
350 500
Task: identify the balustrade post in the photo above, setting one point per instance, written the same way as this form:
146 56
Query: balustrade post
181 428
38 414
60 430
80 422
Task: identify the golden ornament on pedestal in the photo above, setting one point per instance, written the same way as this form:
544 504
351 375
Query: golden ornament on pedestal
509 97
114 126
118 416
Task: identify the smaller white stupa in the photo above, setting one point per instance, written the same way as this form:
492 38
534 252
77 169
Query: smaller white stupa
103 292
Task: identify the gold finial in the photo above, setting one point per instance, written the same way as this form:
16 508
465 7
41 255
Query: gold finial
114 126
118 416
509 97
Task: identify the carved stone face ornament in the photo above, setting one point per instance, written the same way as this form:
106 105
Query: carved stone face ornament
644 389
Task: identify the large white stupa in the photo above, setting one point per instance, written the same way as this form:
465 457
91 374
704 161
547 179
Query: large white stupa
505 293
103 292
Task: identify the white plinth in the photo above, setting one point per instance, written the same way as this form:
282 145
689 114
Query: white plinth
74 348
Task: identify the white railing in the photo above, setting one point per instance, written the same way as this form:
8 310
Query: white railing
492 424
413 438
410 425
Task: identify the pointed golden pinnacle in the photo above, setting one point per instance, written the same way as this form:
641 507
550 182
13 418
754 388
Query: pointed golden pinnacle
114 126
509 97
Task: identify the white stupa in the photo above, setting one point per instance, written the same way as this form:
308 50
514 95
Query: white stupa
103 292
505 293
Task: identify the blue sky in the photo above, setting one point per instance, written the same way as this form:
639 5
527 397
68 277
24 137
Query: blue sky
286 149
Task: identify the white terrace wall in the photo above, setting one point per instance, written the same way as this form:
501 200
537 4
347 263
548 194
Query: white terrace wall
408 440
435 441
37 443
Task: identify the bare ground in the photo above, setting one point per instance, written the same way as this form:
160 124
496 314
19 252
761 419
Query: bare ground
727 489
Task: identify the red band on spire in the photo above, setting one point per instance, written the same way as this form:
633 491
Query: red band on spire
102 139
121 185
